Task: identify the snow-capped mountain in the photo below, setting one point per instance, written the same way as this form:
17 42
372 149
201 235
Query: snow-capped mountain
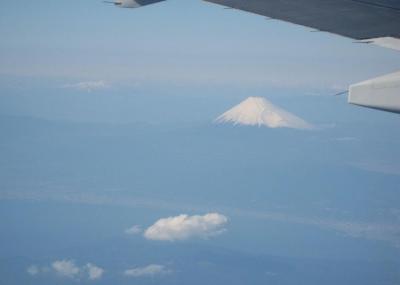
258 111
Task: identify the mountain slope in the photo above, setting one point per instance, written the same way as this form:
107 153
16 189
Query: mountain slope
258 111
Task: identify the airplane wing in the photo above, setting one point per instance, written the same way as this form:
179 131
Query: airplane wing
368 21
133 3
357 19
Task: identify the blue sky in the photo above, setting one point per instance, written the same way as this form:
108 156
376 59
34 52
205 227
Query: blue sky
183 49
177 42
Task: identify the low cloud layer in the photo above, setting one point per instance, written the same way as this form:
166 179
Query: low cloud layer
385 232
378 167
88 86
68 269
134 230
94 272
33 270
184 227
147 271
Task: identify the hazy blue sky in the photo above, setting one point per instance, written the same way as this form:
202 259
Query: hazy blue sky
182 49
177 42
106 138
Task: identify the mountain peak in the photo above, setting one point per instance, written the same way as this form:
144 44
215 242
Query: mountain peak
258 111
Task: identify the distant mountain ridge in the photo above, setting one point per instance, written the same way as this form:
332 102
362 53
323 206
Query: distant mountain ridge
258 111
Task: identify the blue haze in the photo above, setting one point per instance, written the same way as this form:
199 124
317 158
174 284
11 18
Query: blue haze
78 168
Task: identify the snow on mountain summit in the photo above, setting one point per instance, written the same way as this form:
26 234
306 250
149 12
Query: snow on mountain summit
258 111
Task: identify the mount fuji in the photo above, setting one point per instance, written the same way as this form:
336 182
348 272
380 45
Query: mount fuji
258 111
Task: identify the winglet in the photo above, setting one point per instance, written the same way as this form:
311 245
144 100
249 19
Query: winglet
132 3
382 93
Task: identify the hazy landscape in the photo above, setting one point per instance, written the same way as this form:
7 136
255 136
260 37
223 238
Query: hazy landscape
183 143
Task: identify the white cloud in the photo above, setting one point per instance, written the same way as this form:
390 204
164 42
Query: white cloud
147 271
184 227
66 268
134 230
88 86
33 270
94 271
388 232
